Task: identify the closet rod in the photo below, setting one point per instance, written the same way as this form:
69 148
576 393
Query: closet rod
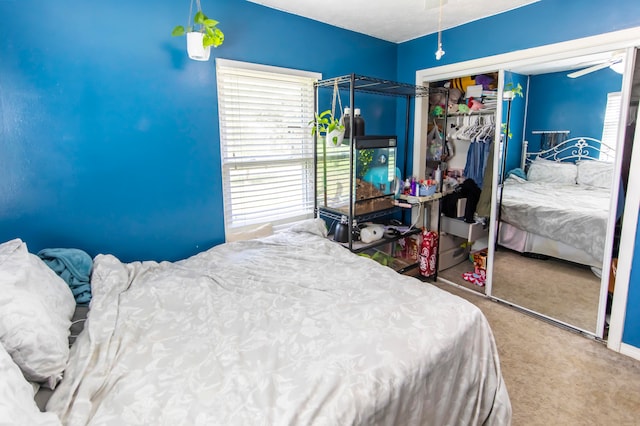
539 132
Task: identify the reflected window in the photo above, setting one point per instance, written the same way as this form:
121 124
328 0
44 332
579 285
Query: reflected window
610 127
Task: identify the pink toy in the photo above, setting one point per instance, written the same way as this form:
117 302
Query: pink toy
475 105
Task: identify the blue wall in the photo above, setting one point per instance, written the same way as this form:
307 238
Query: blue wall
557 102
109 133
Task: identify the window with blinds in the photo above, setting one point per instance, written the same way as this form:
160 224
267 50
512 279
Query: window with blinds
610 127
266 144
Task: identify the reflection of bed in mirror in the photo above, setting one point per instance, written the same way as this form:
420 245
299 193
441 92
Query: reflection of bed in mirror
560 206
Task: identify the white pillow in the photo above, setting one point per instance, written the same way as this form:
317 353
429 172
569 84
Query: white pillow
595 173
16 397
36 307
552 172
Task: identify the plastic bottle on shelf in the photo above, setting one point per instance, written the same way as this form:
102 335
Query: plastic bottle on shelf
346 120
358 123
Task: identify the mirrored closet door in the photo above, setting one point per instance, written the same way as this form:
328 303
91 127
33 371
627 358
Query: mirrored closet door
559 195
557 176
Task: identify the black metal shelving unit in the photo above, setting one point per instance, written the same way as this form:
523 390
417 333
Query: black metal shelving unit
354 83
358 83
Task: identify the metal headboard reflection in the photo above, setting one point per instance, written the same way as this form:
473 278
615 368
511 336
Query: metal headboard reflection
571 150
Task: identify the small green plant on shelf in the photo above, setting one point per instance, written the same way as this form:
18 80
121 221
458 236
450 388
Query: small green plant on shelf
515 91
503 128
510 92
325 124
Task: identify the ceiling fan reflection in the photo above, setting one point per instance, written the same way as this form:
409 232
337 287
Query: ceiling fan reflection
616 63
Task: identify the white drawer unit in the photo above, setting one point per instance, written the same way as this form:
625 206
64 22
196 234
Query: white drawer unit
452 251
460 228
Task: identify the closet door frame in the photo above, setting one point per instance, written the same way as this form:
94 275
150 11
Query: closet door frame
421 128
627 250
624 39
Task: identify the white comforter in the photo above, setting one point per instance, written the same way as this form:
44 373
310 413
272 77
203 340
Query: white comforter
291 329
573 214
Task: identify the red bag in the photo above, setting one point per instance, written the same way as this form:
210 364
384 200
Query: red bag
428 252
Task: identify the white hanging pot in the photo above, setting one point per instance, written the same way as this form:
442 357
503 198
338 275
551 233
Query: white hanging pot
194 47
335 137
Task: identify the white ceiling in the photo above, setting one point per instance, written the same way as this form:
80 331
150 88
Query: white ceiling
398 20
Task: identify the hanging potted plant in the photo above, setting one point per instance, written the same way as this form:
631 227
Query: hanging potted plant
511 91
509 94
327 125
201 36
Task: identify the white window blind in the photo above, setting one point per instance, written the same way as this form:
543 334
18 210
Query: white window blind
266 143
333 178
610 127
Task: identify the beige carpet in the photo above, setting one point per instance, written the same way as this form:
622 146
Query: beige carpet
557 377
557 289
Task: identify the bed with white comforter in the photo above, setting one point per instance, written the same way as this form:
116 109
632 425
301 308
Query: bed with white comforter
286 330
575 215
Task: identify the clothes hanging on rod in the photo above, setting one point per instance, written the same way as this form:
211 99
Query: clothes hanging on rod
477 160
481 136
551 139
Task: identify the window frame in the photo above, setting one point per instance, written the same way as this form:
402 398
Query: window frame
304 159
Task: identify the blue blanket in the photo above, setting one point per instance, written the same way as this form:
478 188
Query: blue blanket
73 266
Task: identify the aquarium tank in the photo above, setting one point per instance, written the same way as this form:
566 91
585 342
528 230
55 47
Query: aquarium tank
374 175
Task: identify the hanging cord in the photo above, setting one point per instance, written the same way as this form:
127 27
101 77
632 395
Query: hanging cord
189 17
413 225
336 94
440 26
439 52
190 13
